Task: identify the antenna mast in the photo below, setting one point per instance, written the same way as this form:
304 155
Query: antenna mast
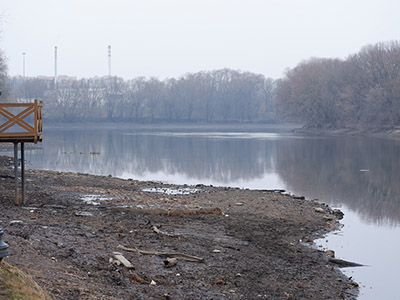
109 60
55 67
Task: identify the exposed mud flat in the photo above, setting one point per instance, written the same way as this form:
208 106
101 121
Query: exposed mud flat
252 243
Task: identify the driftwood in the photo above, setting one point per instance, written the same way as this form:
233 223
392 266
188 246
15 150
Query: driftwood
344 263
135 277
156 230
163 254
123 260
132 275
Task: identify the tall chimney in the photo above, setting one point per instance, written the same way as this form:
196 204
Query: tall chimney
55 67
109 60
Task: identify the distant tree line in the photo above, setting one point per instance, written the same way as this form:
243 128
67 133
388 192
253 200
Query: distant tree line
3 77
360 92
214 96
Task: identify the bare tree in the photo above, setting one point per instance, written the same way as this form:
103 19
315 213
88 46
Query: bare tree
3 77
361 92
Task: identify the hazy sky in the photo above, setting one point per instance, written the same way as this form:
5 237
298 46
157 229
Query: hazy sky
168 38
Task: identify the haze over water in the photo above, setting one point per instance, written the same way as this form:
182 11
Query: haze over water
360 175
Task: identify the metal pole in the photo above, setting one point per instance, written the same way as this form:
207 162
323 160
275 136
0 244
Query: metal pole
23 73
3 246
23 65
23 172
16 172
109 61
55 67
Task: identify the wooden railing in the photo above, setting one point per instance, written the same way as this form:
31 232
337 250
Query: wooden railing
30 133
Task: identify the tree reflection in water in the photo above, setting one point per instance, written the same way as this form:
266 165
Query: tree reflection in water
362 173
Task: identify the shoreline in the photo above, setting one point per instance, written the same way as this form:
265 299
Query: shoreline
252 241
389 134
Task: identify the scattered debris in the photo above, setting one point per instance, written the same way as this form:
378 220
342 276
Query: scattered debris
163 254
14 222
170 262
344 263
123 260
83 214
135 277
330 253
169 191
114 261
94 199
153 283
156 230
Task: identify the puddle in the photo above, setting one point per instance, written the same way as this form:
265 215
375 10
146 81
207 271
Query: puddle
168 191
94 199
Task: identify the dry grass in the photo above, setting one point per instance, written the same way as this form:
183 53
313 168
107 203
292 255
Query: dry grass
14 284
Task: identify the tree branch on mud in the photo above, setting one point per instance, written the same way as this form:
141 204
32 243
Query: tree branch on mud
163 254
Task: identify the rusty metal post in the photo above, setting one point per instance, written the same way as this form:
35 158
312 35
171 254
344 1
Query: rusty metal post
16 172
23 172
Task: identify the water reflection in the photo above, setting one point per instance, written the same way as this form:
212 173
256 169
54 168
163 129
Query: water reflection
117 153
362 173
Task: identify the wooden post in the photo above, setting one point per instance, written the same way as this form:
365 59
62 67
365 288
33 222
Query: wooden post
16 172
23 172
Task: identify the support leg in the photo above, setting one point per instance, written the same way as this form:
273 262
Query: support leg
16 172
23 172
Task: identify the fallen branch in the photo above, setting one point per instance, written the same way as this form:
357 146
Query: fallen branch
135 277
156 230
163 254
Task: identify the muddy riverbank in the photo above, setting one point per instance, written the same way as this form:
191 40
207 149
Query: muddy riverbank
251 242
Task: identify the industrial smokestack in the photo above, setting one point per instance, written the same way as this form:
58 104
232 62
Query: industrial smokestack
109 60
55 67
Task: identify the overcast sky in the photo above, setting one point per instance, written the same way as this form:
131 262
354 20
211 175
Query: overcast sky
168 38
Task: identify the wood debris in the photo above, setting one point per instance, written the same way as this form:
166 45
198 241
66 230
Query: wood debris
123 260
163 254
158 231
135 277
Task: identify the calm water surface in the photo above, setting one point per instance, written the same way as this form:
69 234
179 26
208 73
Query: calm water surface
359 175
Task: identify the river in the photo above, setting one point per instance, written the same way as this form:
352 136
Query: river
359 175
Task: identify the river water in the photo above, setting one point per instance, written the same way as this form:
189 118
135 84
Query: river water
359 175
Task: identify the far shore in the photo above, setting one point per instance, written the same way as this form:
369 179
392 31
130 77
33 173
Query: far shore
390 133
283 128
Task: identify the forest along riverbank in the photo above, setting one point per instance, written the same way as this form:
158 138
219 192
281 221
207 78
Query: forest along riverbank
188 242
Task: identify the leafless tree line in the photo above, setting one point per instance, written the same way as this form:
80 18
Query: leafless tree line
214 96
3 77
360 92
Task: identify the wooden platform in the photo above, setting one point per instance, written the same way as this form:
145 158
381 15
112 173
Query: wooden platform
21 123
16 128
